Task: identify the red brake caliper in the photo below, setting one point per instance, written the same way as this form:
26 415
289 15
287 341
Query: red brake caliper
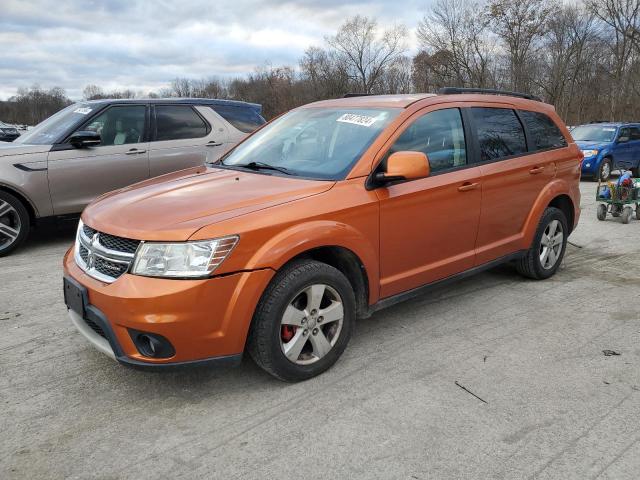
287 333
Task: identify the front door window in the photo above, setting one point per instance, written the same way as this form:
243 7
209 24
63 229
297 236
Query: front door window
119 125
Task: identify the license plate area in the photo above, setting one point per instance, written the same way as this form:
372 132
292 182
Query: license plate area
74 297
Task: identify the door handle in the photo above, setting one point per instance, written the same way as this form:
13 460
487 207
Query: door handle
135 151
465 187
213 143
536 170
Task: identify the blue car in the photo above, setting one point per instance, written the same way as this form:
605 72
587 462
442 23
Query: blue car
607 147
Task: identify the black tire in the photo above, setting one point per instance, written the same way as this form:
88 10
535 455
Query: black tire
627 212
530 264
602 212
602 171
637 211
635 172
264 341
17 219
616 210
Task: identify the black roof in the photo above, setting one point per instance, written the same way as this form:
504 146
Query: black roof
165 101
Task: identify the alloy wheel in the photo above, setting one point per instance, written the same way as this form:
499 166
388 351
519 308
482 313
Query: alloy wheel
10 224
311 324
551 244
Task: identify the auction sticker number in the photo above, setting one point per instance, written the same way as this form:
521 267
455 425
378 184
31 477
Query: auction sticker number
82 110
362 120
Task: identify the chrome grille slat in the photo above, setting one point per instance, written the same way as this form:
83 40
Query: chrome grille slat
103 256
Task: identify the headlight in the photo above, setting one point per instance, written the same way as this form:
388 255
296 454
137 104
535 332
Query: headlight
589 153
185 259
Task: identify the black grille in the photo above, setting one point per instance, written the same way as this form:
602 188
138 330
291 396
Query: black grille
95 327
84 253
88 231
108 268
118 243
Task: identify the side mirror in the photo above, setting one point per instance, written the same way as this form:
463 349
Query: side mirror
84 139
405 166
623 139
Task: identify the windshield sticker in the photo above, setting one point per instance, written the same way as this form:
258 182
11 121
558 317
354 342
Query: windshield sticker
609 129
82 110
361 120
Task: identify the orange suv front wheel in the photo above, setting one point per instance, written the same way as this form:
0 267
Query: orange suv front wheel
303 322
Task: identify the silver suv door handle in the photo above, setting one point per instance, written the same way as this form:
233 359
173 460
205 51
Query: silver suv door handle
213 143
135 151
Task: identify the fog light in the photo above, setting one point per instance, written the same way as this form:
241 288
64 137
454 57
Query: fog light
152 345
587 165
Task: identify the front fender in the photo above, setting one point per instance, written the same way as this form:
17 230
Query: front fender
301 238
553 189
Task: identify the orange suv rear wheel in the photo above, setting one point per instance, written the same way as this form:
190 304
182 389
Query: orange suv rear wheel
544 257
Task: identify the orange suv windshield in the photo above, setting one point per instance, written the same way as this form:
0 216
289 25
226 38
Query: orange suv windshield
319 143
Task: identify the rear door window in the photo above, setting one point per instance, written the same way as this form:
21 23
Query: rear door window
500 133
635 133
178 122
544 134
244 119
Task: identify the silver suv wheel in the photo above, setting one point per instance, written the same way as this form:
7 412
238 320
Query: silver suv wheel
10 225
311 324
551 244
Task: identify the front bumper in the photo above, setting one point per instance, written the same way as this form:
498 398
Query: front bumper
205 320
592 168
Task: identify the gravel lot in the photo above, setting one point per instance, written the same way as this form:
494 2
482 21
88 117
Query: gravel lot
556 407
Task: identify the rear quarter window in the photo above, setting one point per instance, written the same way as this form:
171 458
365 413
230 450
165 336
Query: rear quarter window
244 119
543 132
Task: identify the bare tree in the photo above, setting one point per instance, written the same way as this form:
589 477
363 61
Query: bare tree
366 54
621 19
181 87
457 30
325 74
520 24
93 92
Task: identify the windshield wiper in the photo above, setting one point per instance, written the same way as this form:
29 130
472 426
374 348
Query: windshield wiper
260 166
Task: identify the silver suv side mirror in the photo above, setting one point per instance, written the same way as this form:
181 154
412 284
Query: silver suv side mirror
84 139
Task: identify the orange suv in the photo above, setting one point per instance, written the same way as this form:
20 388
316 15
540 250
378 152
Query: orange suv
325 215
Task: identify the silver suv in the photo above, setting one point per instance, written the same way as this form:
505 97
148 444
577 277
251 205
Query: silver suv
94 147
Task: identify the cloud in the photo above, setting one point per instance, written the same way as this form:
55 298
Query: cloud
143 45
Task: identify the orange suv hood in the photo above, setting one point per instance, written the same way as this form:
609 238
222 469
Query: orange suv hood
175 206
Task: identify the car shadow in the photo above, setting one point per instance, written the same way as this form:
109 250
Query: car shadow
49 233
199 382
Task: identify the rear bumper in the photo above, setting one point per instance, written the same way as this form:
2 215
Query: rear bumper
205 320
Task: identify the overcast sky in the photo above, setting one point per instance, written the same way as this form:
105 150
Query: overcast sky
143 45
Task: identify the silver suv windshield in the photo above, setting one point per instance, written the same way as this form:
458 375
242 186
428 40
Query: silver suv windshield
594 133
48 131
319 143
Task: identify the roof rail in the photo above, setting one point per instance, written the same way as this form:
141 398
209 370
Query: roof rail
487 91
350 95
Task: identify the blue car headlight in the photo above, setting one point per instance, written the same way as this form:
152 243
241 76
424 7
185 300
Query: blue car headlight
589 153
